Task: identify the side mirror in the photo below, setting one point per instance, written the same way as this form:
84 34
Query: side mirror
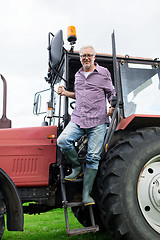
37 104
55 49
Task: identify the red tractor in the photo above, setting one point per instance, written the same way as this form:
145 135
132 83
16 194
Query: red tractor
127 187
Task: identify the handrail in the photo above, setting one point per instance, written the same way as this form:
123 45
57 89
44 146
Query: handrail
114 122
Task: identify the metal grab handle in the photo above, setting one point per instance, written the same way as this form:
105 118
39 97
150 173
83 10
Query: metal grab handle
59 114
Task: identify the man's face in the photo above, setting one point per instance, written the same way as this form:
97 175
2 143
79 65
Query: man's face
87 59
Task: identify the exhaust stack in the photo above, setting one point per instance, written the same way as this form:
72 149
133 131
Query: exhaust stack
4 121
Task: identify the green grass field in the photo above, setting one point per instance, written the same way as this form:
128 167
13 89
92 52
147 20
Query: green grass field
50 225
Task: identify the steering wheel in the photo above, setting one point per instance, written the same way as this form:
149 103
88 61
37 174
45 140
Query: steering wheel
71 104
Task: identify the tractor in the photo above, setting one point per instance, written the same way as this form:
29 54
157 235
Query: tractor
127 187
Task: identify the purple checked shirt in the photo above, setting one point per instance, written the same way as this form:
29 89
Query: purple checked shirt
91 93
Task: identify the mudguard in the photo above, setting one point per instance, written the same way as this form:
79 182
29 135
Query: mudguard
15 219
136 121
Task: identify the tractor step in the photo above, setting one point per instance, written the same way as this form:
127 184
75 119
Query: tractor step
72 204
94 228
82 230
75 181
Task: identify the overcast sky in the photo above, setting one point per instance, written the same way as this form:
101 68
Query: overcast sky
24 27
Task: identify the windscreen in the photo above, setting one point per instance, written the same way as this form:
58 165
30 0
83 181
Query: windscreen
140 88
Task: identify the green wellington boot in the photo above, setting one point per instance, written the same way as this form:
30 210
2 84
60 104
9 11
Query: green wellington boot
88 181
72 157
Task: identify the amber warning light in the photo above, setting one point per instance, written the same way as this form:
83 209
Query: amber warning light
51 136
71 35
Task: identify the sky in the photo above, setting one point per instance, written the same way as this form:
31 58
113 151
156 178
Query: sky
24 28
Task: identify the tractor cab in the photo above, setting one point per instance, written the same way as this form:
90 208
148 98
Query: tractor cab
63 66
136 80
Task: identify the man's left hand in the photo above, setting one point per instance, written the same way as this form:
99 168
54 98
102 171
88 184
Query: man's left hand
110 111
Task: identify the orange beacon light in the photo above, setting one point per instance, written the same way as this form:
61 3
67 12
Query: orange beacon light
71 34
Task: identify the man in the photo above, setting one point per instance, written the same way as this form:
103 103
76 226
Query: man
92 84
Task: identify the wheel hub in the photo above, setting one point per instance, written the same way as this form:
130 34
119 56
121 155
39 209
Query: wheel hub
155 192
148 190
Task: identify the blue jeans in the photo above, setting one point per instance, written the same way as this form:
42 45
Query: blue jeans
95 135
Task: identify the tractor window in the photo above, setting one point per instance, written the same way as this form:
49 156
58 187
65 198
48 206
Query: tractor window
140 89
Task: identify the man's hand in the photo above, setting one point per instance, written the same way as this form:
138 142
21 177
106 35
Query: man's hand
61 90
110 111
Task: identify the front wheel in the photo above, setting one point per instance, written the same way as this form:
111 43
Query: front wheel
129 187
2 221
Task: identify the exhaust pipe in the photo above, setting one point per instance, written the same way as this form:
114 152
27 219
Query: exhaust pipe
4 121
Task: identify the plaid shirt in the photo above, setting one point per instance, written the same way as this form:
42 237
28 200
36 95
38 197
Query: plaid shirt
91 94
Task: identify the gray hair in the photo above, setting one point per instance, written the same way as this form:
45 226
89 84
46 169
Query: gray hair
82 48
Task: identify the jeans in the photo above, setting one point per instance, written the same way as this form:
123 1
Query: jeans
95 135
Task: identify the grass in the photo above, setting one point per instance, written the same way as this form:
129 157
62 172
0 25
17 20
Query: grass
51 225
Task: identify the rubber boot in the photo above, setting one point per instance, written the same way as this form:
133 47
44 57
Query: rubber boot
88 181
72 157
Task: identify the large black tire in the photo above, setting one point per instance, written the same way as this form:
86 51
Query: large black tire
2 225
2 221
129 187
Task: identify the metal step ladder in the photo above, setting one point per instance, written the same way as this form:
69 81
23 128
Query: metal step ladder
66 204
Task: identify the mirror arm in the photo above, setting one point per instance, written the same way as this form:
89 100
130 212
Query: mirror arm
58 76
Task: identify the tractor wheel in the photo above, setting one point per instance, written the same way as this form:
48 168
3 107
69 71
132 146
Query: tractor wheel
2 221
2 225
129 187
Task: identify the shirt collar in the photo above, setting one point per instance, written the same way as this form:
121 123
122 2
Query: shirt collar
97 68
